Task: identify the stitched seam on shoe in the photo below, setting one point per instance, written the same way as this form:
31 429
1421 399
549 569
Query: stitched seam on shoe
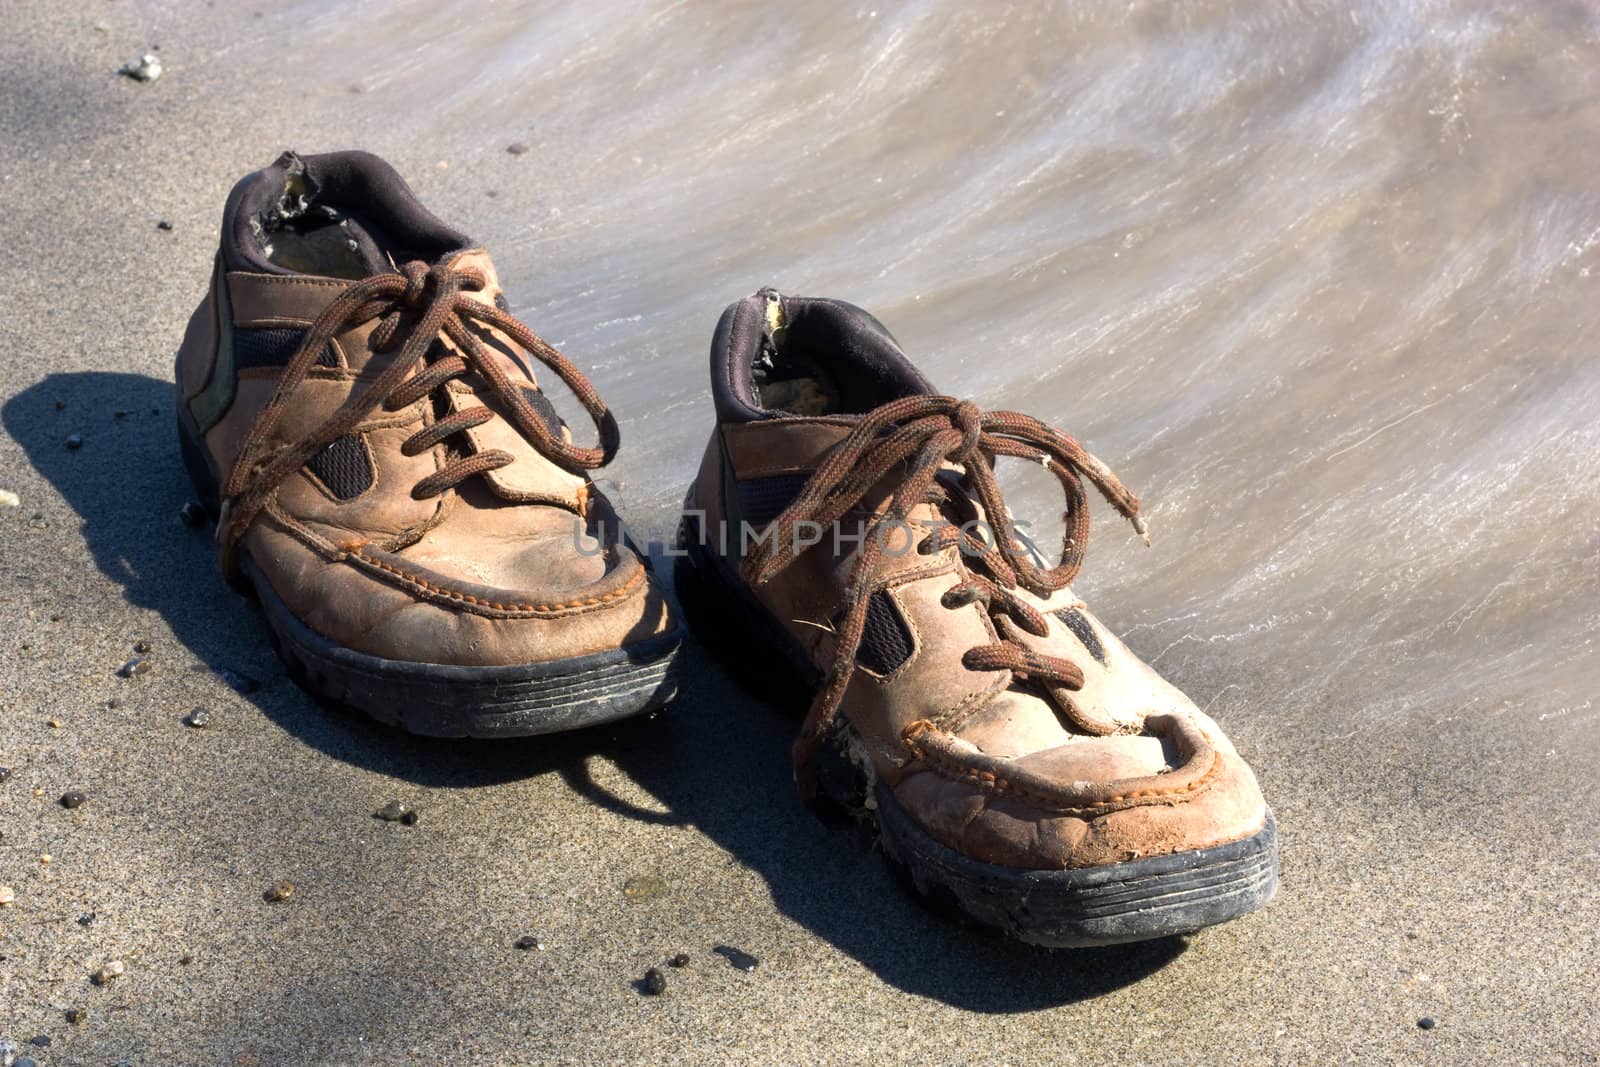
989 781
451 594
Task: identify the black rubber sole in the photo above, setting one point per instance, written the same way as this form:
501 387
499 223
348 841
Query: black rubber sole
444 700
1134 901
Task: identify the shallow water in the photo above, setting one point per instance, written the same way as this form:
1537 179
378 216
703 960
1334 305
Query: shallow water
1318 280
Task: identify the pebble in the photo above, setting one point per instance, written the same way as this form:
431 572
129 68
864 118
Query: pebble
5 772
40 1041
644 887
192 514
26 1061
197 718
680 960
134 667
110 971
53 722
280 891
87 918
655 983
517 148
114 702
409 818
530 944
74 442
738 959
141 647
394 811
147 68
163 225
8 896
76 1015
185 959
73 798
61 405
8 499
1426 1022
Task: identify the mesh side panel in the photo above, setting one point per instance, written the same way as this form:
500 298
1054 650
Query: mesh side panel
273 347
886 642
1079 624
343 467
761 499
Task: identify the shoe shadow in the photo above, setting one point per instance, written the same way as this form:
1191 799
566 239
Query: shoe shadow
717 760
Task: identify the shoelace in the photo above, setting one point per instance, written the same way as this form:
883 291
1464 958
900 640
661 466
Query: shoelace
415 306
923 433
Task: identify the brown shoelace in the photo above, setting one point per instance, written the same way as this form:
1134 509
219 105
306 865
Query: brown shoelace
415 306
923 433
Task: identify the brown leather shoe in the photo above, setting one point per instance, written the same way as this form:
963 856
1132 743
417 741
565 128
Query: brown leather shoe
1017 757
360 409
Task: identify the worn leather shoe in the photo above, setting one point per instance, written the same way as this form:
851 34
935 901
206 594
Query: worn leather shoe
358 409
846 531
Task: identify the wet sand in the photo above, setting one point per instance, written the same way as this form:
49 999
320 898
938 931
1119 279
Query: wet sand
1434 865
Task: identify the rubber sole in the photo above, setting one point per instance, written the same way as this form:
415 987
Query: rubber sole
445 700
1137 900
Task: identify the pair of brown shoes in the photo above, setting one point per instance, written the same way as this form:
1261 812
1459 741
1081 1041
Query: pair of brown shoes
359 410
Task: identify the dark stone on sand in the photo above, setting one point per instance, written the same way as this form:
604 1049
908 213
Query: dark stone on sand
1426 1023
76 1015
40 1041
517 148
163 225
279 891
73 798
394 811
197 718
529 943
5 772
655 983
141 647
680 960
738 959
134 667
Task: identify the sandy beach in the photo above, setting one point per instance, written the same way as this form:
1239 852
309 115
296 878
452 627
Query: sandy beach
1439 852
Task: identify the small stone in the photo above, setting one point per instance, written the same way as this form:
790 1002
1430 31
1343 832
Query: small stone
61 405
45 858
87 918
141 647
680 960
644 887
197 718
409 818
5 772
1426 1023
147 68
40 1041
134 667
279 891
74 442
163 224
73 798
8 896
185 959
192 514
655 983
517 148
53 722
26 1061
738 959
76 1015
529 944
109 972
393 811
8 499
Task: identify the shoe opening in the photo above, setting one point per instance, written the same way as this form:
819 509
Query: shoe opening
338 215
779 355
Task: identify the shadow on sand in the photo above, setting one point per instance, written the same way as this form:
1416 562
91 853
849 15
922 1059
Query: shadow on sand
717 760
